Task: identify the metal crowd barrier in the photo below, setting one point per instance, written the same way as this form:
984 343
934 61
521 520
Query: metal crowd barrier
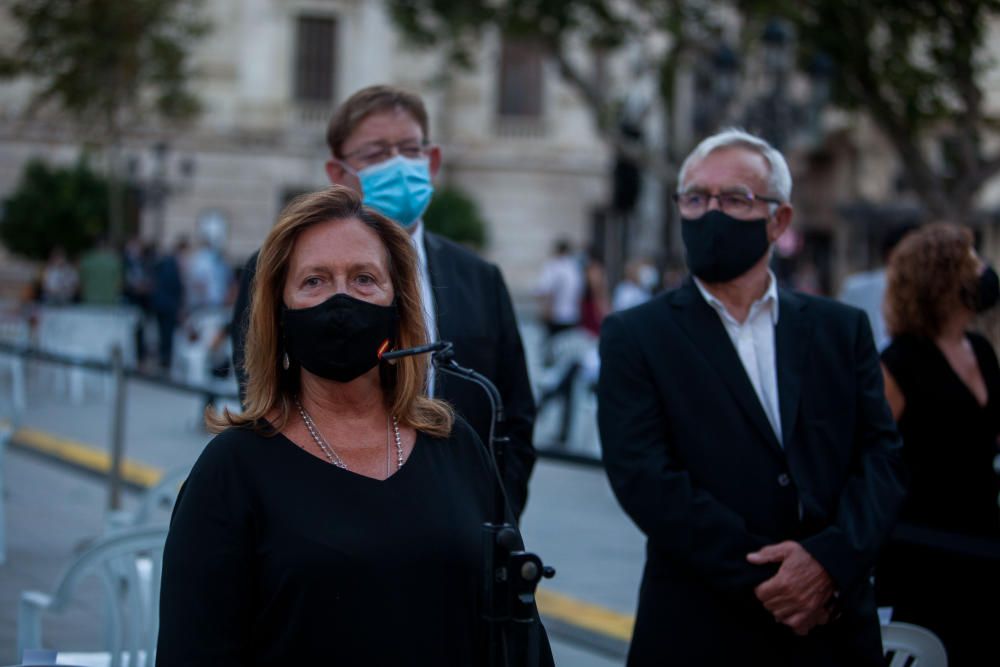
120 373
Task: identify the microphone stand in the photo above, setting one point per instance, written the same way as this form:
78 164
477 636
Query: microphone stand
510 574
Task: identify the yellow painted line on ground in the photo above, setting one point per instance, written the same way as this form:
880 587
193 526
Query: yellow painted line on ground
84 456
585 615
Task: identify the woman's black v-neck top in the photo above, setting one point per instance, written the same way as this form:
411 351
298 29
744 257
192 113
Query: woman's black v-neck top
275 557
949 438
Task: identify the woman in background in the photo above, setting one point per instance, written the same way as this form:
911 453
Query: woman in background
942 382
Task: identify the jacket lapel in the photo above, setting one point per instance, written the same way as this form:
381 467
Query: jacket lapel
791 342
439 274
703 326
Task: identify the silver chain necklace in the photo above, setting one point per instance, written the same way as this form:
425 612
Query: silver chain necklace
332 455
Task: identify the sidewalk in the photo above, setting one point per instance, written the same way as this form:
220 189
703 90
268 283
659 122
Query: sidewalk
572 521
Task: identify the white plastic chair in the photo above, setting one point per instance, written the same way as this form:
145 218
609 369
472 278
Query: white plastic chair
87 333
568 419
128 564
192 342
912 646
16 331
160 496
6 433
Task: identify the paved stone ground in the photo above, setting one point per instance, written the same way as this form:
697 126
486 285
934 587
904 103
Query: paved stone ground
572 520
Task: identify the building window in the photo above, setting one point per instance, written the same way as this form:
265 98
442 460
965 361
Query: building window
521 79
315 60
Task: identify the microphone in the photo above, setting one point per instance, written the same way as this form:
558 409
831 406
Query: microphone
438 346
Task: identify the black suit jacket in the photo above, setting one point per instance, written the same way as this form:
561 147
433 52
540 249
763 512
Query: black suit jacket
694 462
473 311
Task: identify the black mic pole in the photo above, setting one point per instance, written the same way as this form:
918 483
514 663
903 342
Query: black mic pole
510 574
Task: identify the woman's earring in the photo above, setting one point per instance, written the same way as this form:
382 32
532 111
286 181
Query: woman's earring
284 361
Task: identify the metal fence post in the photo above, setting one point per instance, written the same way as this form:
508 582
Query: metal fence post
117 429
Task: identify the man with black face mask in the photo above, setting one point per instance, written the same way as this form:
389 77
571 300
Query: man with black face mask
746 434
379 146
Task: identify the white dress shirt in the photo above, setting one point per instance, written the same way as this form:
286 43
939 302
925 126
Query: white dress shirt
426 295
754 342
562 282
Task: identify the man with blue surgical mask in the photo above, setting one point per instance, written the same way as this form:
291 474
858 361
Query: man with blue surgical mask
379 146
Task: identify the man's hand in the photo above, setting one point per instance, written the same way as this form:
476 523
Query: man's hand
798 594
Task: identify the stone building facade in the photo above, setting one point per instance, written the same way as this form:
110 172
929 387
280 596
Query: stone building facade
514 137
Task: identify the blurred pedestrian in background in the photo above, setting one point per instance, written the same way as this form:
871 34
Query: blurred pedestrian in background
101 275
595 302
167 299
637 286
137 262
560 289
60 279
866 290
943 384
208 277
298 538
746 433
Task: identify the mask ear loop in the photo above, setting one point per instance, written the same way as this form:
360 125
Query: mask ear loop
346 167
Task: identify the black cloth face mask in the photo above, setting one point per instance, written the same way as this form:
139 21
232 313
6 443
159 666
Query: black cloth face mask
721 247
987 290
341 338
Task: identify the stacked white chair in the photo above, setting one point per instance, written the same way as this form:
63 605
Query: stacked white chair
910 645
128 564
192 344
87 333
16 331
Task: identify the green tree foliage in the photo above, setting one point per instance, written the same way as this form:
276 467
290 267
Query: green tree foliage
54 206
454 215
915 67
111 65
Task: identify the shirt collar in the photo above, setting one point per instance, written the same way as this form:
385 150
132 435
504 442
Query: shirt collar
417 237
769 300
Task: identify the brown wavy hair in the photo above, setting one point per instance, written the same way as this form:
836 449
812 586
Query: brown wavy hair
270 388
931 273
367 101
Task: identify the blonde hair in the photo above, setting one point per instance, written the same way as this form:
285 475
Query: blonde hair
269 387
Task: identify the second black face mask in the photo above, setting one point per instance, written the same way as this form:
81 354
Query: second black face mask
341 338
988 290
721 247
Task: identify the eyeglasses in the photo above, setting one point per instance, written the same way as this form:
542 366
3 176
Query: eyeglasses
380 152
693 204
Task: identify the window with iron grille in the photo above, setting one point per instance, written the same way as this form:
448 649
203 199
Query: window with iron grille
521 78
315 59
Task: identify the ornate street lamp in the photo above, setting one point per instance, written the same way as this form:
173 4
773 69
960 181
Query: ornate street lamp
155 190
776 115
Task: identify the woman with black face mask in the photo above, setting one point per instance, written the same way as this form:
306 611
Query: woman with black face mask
943 384
337 520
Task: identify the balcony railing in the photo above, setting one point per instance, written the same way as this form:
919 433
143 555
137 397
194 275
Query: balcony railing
521 127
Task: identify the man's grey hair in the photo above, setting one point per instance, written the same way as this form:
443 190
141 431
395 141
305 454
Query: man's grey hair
780 180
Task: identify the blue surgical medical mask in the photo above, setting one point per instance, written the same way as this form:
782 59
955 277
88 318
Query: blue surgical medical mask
399 188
